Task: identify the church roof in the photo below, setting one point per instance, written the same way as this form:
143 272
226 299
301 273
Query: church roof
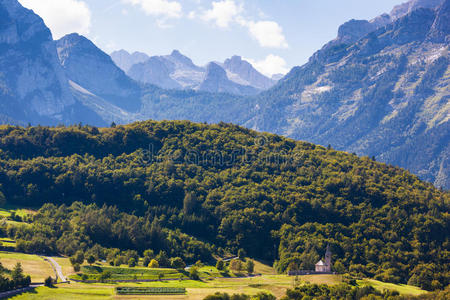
320 263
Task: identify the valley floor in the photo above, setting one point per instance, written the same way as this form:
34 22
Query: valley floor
268 281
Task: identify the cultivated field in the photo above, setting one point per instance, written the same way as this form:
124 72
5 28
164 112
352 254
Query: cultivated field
32 265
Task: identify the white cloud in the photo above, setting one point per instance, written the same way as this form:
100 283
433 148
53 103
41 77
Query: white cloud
62 16
222 13
267 33
159 8
192 15
271 65
225 12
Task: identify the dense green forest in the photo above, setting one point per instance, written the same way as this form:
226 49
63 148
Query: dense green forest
194 190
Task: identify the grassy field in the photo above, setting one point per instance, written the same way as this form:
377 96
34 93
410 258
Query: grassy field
401 288
32 265
6 211
275 284
7 242
268 282
262 268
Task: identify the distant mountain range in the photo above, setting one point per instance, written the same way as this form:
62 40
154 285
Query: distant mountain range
381 88
176 71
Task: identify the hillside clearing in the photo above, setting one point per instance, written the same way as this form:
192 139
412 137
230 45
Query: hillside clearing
32 265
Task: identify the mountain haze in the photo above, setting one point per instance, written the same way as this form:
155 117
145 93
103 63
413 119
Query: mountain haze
177 71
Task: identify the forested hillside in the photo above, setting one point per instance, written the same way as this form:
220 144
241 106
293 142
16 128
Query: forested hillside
195 190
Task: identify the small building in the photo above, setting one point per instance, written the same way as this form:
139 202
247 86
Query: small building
324 266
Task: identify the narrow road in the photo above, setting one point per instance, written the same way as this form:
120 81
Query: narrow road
56 268
11 293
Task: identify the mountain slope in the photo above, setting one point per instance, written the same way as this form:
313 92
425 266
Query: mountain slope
32 83
386 95
403 9
92 69
246 74
279 199
216 80
156 70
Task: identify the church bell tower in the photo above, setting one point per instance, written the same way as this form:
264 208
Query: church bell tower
328 259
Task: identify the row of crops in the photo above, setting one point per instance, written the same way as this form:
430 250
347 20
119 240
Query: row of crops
150 291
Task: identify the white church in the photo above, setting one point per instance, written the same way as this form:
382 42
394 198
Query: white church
324 266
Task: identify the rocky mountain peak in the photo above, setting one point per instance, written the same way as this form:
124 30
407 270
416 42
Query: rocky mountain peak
77 44
92 69
215 72
125 60
381 20
353 30
178 58
246 73
216 80
34 78
407 7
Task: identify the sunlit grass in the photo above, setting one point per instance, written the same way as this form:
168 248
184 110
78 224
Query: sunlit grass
32 265
401 288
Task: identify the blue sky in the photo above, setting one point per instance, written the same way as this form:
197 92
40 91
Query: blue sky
274 35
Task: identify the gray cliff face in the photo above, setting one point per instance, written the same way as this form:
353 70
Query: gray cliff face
32 82
92 69
125 60
353 30
183 70
245 71
156 70
216 80
386 96
407 7
440 31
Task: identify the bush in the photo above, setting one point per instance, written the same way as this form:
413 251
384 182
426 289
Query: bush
78 258
105 275
263 296
132 262
242 254
236 265
91 259
220 265
177 263
153 264
250 266
225 296
194 274
146 261
163 259
48 281
76 267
